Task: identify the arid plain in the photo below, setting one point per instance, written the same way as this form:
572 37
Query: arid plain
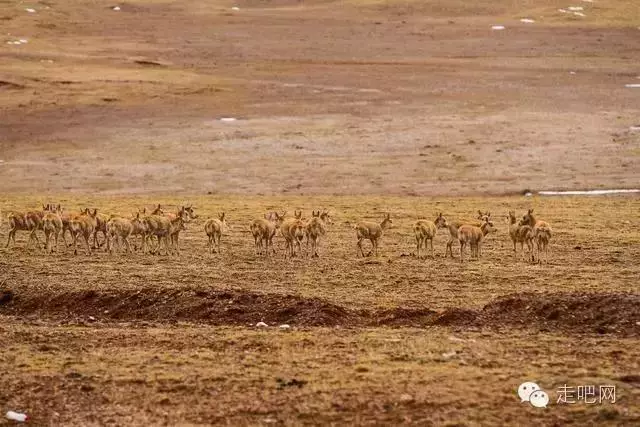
359 107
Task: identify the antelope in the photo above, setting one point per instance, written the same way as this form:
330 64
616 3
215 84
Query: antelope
83 224
65 218
453 236
29 221
483 216
120 229
52 226
372 232
474 236
453 231
316 228
293 231
263 230
101 227
164 228
214 228
541 234
187 212
520 234
426 230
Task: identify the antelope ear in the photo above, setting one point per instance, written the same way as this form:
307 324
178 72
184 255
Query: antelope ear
530 211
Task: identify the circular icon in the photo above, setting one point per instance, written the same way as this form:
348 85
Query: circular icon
539 399
525 390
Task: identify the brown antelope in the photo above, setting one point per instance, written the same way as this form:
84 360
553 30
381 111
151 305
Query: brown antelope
541 234
292 231
143 232
522 234
315 229
101 227
82 225
187 213
29 221
483 216
214 228
474 236
453 227
426 230
52 227
65 217
263 230
164 228
120 229
372 232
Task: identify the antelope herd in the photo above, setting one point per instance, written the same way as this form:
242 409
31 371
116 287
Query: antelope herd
165 229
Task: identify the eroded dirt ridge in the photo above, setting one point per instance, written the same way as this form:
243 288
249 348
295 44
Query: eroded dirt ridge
610 313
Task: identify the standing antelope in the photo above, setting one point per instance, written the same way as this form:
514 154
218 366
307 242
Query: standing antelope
82 225
120 229
372 232
214 228
520 234
52 226
316 228
101 227
541 234
426 230
29 221
188 213
263 230
474 236
293 231
164 228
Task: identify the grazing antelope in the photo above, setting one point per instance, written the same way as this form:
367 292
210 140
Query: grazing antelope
315 229
214 228
372 232
520 234
82 225
293 231
29 221
474 236
426 230
263 230
120 229
52 226
541 234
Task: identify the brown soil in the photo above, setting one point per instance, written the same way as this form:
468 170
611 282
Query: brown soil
574 313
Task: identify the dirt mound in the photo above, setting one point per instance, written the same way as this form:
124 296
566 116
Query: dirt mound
572 313
161 305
